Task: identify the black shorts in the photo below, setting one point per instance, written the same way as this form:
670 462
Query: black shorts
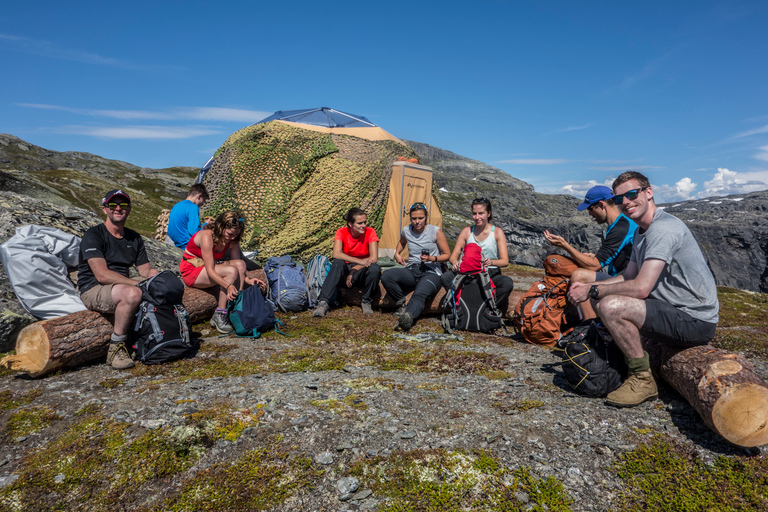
667 324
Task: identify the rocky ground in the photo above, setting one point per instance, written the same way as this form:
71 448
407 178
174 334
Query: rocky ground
343 414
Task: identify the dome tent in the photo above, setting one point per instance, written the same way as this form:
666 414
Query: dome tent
293 181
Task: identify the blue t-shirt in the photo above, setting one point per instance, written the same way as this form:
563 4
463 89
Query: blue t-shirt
183 222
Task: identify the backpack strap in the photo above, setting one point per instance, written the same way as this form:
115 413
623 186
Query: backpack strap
486 286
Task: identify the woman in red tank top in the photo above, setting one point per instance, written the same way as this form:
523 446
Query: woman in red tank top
208 246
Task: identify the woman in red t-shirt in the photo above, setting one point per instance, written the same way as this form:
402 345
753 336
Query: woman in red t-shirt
203 265
355 253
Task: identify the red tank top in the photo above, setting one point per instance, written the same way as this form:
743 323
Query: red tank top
193 249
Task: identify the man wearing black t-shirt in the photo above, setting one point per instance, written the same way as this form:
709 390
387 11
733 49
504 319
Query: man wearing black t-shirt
107 252
613 255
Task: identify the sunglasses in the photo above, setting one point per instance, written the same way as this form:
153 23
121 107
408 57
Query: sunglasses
113 206
418 206
236 222
629 194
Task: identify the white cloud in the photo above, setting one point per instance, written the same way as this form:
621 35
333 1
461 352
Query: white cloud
727 182
763 129
48 49
534 161
171 114
140 132
680 191
575 128
762 154
579 188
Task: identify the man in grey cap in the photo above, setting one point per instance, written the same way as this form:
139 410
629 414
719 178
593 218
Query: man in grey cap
107 252
613 255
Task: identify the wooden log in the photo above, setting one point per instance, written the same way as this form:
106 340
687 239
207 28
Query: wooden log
721 386
83 337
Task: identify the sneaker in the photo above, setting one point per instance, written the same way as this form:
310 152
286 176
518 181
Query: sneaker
367 309
638 388
321 309
400 310
118 356
221 323
404 323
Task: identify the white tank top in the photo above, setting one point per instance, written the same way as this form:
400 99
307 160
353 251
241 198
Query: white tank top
489 247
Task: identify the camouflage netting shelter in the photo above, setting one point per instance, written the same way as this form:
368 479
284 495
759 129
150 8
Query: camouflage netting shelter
293 184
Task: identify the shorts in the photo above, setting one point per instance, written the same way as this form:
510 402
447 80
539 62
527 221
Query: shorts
602 276
672 326
99 298
189 272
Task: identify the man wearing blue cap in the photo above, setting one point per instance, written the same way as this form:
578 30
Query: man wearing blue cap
613 255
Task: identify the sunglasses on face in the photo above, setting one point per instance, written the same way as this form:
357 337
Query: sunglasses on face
629 194
113 206
236 223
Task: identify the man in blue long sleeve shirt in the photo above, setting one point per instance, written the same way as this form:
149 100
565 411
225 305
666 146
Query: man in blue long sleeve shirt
184 220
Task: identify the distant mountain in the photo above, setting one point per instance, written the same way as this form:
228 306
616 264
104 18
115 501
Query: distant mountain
732 231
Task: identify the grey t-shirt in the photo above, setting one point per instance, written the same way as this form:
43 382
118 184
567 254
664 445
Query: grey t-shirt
427 239
686 281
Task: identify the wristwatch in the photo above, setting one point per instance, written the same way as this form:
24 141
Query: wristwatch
594 293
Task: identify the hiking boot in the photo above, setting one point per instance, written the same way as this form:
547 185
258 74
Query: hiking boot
367 309
638 388
400 310
118 356
322 309
221 323
404 323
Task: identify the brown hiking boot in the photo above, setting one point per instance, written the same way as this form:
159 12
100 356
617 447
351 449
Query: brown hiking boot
118 356
638 388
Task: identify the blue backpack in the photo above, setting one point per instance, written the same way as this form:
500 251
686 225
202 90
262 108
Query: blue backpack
250 314
287 284
317 269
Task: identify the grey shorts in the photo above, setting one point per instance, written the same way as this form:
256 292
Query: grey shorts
602 276
99 298
667 324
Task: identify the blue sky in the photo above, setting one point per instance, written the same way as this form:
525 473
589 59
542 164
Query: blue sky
563 95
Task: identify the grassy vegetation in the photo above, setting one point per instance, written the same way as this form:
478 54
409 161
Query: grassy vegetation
441 480
743 324
663 475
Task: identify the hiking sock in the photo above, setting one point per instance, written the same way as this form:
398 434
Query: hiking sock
639 364
118 338
221 310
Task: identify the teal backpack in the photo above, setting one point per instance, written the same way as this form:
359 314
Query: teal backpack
250 314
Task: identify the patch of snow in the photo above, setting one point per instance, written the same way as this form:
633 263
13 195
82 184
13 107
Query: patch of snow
690 209
443 189
737 199
717 202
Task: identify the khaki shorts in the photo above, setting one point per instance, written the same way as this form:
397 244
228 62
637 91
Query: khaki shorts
99 298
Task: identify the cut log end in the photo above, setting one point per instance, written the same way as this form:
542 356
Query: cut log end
741 415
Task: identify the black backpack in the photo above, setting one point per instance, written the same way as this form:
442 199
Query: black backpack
593 364
162 331
470 305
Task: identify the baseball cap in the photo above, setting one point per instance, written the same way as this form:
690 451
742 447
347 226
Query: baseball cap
112 193
594 195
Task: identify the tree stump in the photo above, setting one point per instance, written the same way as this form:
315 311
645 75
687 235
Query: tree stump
721 386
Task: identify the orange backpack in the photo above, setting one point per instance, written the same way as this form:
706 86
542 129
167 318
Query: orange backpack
539 314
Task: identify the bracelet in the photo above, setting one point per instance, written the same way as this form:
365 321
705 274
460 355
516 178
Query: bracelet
435 259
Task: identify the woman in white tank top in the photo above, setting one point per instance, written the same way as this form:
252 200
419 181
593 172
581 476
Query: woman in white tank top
493 243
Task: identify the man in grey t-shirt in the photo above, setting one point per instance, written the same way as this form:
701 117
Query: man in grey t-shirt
667 291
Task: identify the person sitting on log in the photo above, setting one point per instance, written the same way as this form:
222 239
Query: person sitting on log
355 253
184 219
107 252
203 264
427 248
613 255
493 243
667 292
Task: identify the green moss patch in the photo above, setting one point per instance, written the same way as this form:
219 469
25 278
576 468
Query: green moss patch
432 480
28 421
262 479
743 324
663 475
11 400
